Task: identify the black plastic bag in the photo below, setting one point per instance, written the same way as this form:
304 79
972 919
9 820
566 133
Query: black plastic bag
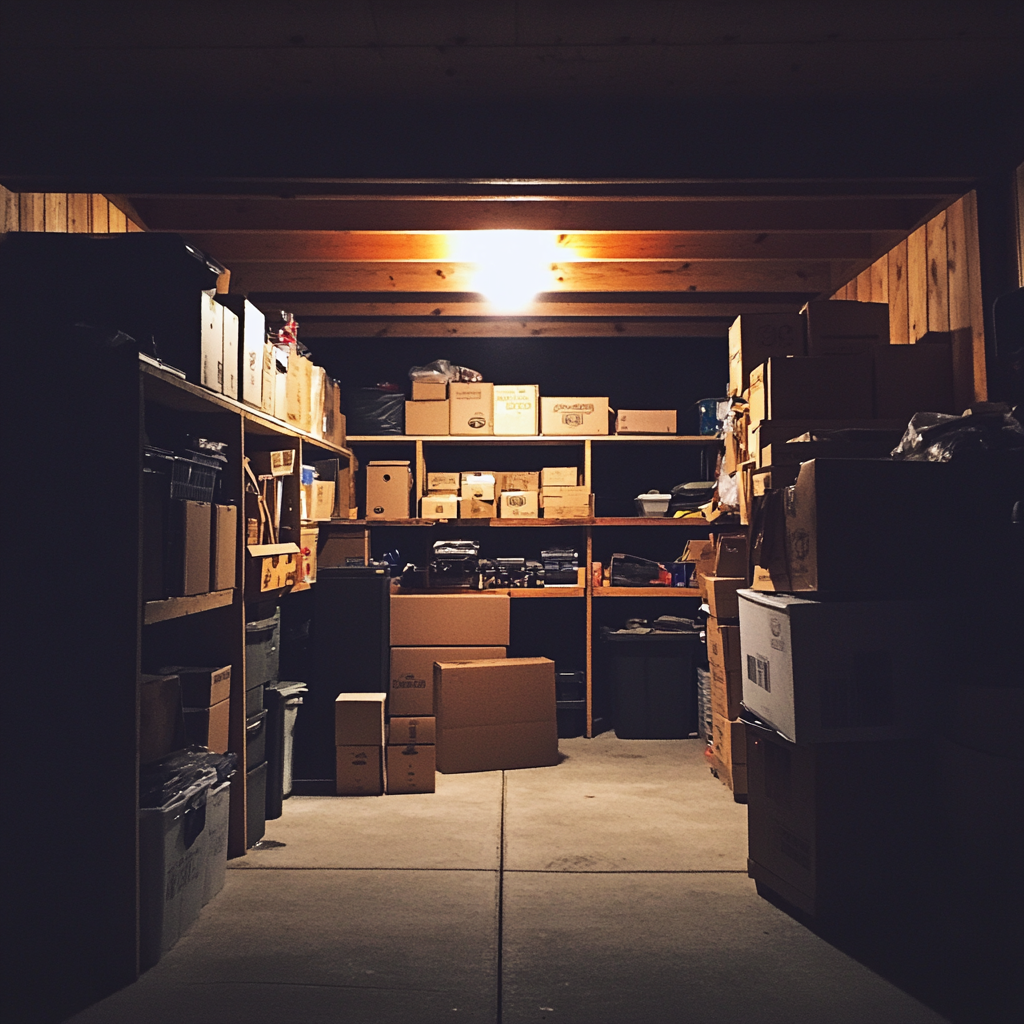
375 411
940 437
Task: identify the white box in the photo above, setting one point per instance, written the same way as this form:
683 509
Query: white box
254 338
515 409
211 341
830 671
519 505
573 416
478 485
230 343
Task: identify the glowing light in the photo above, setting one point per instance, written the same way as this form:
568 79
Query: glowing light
511 266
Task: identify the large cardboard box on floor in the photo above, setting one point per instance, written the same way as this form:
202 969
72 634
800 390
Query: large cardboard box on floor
411 768
725 666
756 337
359 719
828 387
412 674
495 715
359 770
471 409
441 620
515 409
842 670
838 326
388 489
573 416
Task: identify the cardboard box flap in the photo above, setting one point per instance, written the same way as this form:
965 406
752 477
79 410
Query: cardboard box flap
265 550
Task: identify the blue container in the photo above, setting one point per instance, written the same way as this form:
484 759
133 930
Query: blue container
710 421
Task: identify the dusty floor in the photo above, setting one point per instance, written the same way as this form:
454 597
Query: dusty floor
611 888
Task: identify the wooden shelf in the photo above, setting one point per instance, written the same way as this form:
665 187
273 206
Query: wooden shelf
176 607
646 592
511 523
541 439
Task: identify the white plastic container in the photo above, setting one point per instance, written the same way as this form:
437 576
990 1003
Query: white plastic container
652 505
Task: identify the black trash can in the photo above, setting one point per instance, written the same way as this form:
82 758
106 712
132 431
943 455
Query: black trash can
282 700
654 680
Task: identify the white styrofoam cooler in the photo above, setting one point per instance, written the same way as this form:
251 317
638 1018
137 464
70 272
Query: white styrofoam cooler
829 671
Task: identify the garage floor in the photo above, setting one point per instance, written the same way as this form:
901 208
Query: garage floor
611 888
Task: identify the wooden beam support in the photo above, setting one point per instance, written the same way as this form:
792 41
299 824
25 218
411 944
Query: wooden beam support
311 312
513 328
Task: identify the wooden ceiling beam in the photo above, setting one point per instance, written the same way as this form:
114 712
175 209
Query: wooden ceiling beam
338 312
512 328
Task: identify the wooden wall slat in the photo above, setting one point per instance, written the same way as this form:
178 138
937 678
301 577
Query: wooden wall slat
956 266
79 213
55 212
899 312
30 216
1019 195
9 215
975 304
938 273
917 283
880 279
100 215
118 221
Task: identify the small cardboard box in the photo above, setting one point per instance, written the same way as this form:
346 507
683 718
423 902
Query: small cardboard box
231 328
359 718
412 674
211 342
359 770
426 418
224 547
190 525
298 411
160 728
411 768
559 476
444 483
478 485
208 727
755 338
406 729
282 463
731 555
838 326
432 620
201 687
271 567
558 497
645 421
252 353
826 387
913 378
495 715
388 488
517 481
471 409
430 391
722 599
515 409
573 416
519 505
439 506
475 508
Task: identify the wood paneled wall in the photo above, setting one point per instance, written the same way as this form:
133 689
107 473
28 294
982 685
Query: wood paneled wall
932 282
61 211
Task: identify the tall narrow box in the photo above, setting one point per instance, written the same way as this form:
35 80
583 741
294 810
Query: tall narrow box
515 409
190 523
231 326
388 489
224 546
412 675
211 342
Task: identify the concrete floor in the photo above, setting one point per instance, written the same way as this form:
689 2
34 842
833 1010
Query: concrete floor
611 888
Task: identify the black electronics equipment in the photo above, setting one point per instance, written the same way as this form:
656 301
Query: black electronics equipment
633 571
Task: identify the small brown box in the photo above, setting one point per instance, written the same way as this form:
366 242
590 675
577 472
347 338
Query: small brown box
756 337
208 727
405 729
159 717
224 546
426 418
271 567
388 488
430 620
412 768
202 687
430 391
359 717
190 538
358 770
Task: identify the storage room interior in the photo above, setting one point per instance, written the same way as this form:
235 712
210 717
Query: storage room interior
526 518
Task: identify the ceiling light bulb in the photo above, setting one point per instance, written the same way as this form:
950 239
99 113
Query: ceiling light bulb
512 267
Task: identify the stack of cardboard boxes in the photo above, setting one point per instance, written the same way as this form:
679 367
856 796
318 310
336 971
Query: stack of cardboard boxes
359 743
552 492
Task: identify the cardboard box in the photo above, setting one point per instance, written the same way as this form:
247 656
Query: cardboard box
430 391
475 508
839 326
731 557
208 727
160 725
320 500
359 719
223 547
334 418
439 506
281 353
519 505
495 715
478 485
388 488
268 379
426 418
359 770
702 553
730 753
231 328
573 416
471 409
271 567
317 396
559 476
411 769
298 413
281 463
201 687
444 483
432 620
725 665
645 421
745 479
190 525
913 378
722 599
252 354
309 539
412 674
827 387
211 342
412 729
863 444
558 497
517 481
567 512
515 409
755 338
774 432
840 671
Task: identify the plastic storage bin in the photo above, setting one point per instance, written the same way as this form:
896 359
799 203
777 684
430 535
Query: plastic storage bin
263 650
217 818
255 804
654 679
256 739
282 700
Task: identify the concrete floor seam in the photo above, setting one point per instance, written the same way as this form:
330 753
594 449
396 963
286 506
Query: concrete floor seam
501 899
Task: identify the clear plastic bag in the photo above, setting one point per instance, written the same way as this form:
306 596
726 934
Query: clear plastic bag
444 372
940 437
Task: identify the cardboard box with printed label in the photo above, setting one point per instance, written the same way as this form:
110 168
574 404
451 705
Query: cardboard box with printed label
838 326
414 729
412 674
426 418
827 387
495 715
515 409
359 718
430 391
478 485
359 770
839 671
722 600
431 620
559 476
573 416
471 409
439 506
731 555
271 567
224 547
517 481
411 768
189 524
519 505
388 489
444 483
201 687
755 338
645 421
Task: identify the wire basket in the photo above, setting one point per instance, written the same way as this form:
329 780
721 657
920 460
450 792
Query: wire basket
192 480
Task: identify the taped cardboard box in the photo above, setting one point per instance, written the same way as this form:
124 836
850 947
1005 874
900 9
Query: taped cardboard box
840 326
757 337
827 387
359 719
573 416
724 662
645 421
426 418
721 596
430 391
411 729
411 768
439 506
432 620
496 715
516 409
519 505
471 409
190 524
412 674
388 490
359 770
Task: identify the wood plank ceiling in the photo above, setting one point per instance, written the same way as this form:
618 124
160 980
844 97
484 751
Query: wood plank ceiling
359 258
